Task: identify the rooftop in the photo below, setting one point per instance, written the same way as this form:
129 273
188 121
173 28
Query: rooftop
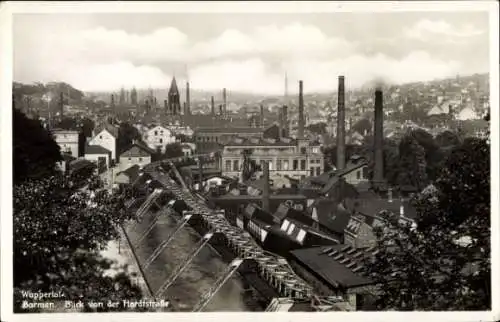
229 130
96 149
338 265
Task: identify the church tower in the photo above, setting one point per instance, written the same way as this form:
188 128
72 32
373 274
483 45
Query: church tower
174 104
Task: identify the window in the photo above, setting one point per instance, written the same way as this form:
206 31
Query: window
318 171
228 165
140 159
161 140
358 174
301 235
284 225
156 132
270 165
303 150
295 164
278 165
302 164
285 165
365 172
100 137
236 165
311 170
129 158
290 229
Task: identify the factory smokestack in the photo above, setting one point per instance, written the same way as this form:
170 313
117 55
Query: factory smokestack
221 112
224 98
261 115
280 122
265 189
301 111
187 108
378 171
341 125
286 130
200 172
212 105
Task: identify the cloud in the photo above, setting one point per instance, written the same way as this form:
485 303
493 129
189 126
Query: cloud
253 61
425 29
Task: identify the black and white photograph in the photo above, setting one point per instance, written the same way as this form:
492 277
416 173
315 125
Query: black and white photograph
249 157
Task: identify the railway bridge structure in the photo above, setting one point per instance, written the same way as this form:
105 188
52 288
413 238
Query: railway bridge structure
267 272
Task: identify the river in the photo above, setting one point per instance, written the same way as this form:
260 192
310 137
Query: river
198 277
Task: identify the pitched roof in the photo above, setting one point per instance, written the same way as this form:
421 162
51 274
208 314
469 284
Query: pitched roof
322 261
374 206
173 87
229 130
331 215
132 172
113 130
96 149
135 151
255 141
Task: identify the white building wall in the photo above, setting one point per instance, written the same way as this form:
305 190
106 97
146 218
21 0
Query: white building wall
127 162
95 158
68 142
158 137
106 140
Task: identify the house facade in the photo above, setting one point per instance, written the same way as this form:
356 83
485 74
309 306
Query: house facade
68 141
286 157
99 155
135 155
106 139
158 137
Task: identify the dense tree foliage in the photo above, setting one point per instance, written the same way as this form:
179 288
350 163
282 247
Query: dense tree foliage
317 128
173 150
61 223
126 135
412 159
363 126
445 262
35 154
58 233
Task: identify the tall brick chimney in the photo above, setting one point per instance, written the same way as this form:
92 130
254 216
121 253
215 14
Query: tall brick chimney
212 105
200 172
301 111
261 120
224 98
286 129
187 108
378 171
280 122
265 188
341 125
221 111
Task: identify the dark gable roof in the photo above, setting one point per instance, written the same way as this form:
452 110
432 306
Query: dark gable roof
96 149
108 127
331 215
135 151
132 172
208 147
321 260
228 130
255 141
374 206
79 164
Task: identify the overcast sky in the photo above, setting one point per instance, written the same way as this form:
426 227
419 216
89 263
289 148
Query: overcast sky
247 52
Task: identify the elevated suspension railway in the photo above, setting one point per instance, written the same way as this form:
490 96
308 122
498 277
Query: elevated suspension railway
231 242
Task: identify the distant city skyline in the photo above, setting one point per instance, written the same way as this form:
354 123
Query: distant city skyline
248 53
